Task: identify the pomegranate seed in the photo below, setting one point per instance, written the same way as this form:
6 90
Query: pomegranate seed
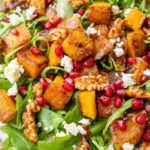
6 20
148 125
81 12
104 100
22 90
77 66
56 21
131 60
66 76
118 102
147 22
59 51
147 136
48 25
137 104
74 74
148 54
122 124
141 119
36 14
121 93
14 32
109 91
89 62
44 83
68 87
149 66
41 101
144 78
35 50
147 108
118 84
146 58
48 2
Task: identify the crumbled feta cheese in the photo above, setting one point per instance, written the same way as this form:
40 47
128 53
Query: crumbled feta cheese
3 137
13 90
110 147
91 30
60 134
115 9
18 9
77 15
71 128
14 19
118 51
127 11
120 44
39 124
67 63
85 121
112 41
118 39
81 130
127 146
127 80
147 72
13 71
30 13
1 68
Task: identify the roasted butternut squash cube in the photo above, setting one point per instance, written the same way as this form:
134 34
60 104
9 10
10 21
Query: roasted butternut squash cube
39 5
136 45
131 135
54 60
78 45
71 24
7 107
11 41
56 96
99 13
32 64
88 104
135 19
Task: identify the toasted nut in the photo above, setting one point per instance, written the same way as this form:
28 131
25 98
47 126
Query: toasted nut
76 3
38 89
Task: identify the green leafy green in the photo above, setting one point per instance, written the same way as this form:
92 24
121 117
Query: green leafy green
118 113
4 30
17 139
74 114
60 143
64 9
5 84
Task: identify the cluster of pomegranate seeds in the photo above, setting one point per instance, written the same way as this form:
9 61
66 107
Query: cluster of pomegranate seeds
41 101
147 108
131 60
144 78
68 85
15 32
109 91
48 2
74 74
89 63
147 136
81 12
44 83
121 124
118 102
137 104
104 100
141 119
6 20
35 50
77 66
22 90
59 51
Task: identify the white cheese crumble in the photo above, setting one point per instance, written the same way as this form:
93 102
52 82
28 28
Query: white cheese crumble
85 121
127 146
1 68
39 124
118 39
67 63
13 71
91 30
18 9
77 15
14 19
30 13
3 137
147 72
127 11
112 41
81 130
127 80
115 9
110 147
120 44
119 51
13 90
60 134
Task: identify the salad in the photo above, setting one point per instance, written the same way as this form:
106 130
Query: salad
75 75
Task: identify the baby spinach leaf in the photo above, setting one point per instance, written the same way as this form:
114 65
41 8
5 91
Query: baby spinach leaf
17 139
118 113
5 84
74 114
60 143
64 9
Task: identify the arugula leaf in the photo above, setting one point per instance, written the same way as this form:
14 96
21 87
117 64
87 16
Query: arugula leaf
64 9
60 143
147 86
74 114
143 5
49 119
5 84
128 3
114 2
17 139
118 113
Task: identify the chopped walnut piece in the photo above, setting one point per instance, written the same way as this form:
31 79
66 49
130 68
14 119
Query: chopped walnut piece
147 32
38 89
77 3
91 82
28 119
57 34
134 91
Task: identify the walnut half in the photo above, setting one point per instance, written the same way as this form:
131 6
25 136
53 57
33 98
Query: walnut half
77 3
